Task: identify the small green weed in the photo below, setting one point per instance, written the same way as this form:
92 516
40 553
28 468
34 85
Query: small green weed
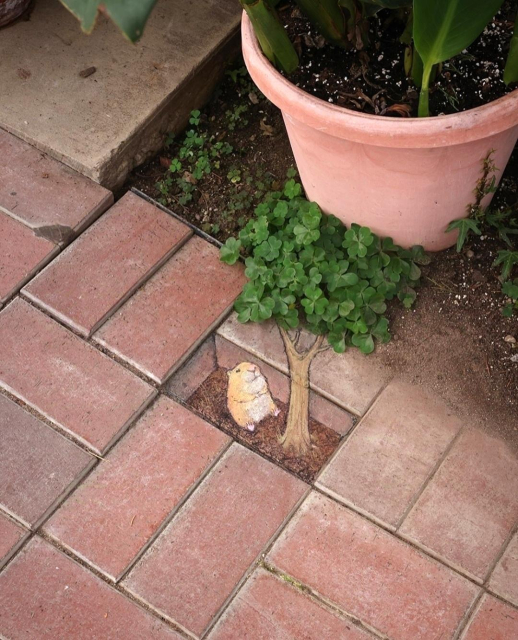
486 220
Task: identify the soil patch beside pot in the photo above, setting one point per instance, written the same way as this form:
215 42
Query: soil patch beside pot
210 400
453 344
373 80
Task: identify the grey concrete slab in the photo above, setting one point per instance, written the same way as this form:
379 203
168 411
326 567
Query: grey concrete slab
105 124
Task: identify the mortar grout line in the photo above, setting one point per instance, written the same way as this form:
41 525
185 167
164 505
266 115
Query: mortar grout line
423 551
429 478
325 603
499 555
468 616
350 434
89 341
174 511
253 565
78 560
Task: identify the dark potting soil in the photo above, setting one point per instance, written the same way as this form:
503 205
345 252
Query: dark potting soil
210 400
373 80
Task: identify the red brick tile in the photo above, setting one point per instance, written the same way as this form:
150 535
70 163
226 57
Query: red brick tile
350 379
119 507
493 620
268 609
468 510
36 463
104 266
21 255
504 580
10 536
383 465
370 574
195 371
321 409
45 596
157 328
195 564
68 381
41 191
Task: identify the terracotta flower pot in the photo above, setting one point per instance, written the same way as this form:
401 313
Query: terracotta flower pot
404 178
11 9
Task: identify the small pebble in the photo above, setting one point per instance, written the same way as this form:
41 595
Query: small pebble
470 254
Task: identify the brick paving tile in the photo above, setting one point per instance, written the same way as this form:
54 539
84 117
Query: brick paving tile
504 580
107 263
321 409
468 510
268 609
195 371
493 620
10 536
122 503
352 380
36 463
21 255
384 464
370 574
46 596
65 379
174 311
195 564
42 192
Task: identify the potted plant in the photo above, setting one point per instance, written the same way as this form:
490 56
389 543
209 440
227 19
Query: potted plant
407 177
403 177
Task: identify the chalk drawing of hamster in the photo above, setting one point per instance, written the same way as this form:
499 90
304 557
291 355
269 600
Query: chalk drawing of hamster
248 397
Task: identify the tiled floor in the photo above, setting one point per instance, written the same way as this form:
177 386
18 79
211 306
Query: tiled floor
124 514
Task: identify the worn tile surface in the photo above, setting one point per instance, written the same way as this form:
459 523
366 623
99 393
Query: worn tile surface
504 579
10 535
198 560
66 379
21 255
46 596
370 574
267 608
493 620
352 380
157 328
395 448
105 265
468 510
42 192
123 502
36 463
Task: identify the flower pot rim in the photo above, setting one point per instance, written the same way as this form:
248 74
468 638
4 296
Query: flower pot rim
434 131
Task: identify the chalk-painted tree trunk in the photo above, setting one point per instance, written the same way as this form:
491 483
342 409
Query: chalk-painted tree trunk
296 437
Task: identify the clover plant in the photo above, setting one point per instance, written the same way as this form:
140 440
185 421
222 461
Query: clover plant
306 269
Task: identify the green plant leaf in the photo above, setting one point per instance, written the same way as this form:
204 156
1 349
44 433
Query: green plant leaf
364 342
464 225
271 34
511 67
508 259
328 18
443 28
229 252
129 15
